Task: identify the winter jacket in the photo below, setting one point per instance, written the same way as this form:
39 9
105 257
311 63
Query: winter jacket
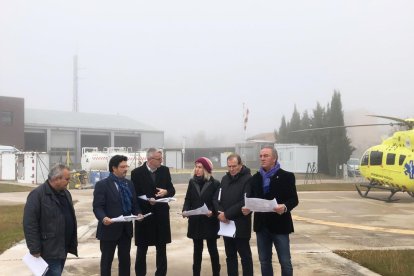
201 226
230 199
44 224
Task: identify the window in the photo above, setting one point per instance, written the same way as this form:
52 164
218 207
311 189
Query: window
402 158
375 158
364 160
6 118
390 158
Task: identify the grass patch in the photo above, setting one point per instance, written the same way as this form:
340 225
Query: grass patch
11 188
11 226
384 262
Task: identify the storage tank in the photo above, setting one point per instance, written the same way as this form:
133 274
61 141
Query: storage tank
94 160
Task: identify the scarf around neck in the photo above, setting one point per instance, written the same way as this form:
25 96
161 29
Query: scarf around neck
126 195
267 175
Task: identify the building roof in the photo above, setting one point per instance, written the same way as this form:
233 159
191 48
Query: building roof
263 137
69 119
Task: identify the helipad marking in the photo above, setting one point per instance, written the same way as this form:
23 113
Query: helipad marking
354 226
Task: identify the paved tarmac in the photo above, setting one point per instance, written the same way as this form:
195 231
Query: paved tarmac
324 221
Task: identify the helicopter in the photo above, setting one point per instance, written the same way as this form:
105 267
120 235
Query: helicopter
389 165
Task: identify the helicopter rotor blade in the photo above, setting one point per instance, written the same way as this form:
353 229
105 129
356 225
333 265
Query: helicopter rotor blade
335 127
409 123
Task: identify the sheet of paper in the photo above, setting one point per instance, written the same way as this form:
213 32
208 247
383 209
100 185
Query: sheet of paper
143 197
227 229
203 210
259 204
166 199
38 266
128 218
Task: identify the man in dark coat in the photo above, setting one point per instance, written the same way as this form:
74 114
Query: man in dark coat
228 201
152 181
115 196
273 227
49 221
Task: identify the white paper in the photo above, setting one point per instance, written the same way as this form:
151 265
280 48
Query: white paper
259 204
227 229
166 199
203 210
129 218
38 266
163 200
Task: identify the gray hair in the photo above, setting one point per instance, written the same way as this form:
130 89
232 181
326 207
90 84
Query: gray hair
274 151
151 151
57 171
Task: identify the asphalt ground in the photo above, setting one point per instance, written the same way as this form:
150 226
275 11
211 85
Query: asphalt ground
324 221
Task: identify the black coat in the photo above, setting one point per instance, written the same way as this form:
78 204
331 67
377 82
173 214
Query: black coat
232 191
282 187
44 224
107 202
154 229
201 226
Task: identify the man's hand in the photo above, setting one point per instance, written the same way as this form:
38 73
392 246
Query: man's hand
106 221
140 217
152 201
280 209
209 214
37 255
221 217
245 211
161 192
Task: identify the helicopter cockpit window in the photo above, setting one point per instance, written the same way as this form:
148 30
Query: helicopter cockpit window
364 160
375 158
402 158
390 158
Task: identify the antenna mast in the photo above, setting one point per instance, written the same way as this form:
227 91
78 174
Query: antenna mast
75 106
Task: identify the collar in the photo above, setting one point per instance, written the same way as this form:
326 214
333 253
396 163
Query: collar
151 170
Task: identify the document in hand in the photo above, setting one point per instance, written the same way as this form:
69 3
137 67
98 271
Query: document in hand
166 199
128 218
203 210
38 266
259 204
227 229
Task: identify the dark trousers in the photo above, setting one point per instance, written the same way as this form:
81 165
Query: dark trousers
198 256
124 259
241 246
161 260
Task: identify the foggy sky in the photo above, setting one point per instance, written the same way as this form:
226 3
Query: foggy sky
186 67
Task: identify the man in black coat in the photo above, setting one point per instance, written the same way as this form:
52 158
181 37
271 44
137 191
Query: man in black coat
229 201
153 181
115 196
273 227
49 221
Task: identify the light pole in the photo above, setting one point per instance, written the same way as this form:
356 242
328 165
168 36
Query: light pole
183 151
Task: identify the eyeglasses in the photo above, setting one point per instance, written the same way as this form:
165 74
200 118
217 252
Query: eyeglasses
158 159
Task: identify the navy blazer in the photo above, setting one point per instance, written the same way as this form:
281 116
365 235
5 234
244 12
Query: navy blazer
107 203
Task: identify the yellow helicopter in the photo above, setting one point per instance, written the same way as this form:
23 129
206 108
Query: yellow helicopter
390 165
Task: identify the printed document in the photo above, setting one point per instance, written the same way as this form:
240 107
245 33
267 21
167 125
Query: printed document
163 200
129 218
227 229
203 210
259 204
38 266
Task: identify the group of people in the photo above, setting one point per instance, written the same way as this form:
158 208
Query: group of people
50 223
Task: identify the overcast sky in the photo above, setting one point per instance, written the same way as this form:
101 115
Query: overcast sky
186 67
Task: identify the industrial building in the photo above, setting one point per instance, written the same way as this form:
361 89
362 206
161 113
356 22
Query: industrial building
61 132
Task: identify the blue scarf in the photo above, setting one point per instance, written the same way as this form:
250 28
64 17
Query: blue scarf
267 175
126 195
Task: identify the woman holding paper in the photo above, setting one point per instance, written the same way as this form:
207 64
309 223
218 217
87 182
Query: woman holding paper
201 189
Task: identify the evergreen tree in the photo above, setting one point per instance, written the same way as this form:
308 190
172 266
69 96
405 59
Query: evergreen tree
283 132
295 124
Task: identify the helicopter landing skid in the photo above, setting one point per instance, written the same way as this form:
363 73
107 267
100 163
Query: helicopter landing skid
375 186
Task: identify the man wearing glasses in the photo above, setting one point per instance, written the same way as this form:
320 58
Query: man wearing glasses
152 181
